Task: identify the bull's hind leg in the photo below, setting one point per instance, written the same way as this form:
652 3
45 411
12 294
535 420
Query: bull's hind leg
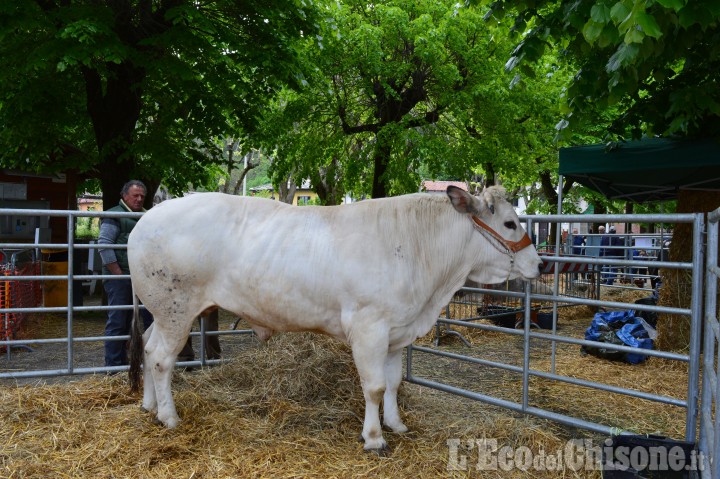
160 356
149 400
393 377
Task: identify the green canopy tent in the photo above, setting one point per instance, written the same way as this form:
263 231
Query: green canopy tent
652 169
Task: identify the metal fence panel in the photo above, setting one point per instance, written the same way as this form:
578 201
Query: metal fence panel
558 287
568 280
29 292
709 443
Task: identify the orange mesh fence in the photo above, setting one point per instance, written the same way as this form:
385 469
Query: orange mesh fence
17 294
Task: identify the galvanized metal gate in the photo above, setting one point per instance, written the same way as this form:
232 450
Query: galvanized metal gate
709 444
710 426
552 338
21 272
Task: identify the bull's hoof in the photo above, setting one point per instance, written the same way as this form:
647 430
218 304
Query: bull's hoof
383 451
148 410
398 429
170 423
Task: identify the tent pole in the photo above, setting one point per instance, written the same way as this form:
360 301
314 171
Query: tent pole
559 193
556 273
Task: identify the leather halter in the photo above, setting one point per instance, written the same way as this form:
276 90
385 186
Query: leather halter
511 247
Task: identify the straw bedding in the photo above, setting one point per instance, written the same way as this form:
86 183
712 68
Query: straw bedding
294 408
655 376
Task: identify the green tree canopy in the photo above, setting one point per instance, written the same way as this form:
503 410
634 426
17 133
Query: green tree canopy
133 88
404 87
655 61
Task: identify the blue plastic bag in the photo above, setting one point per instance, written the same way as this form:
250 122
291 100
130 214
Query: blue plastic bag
636 335
619 327
607 321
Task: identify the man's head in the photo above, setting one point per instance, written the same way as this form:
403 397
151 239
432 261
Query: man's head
612 229
133 194
601 229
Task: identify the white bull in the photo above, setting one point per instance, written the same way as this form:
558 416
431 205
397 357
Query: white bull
374 274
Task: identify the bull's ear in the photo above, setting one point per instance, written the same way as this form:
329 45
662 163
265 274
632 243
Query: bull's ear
463 201
489 200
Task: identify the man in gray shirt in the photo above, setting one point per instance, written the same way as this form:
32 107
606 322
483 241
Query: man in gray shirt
119 291
115 231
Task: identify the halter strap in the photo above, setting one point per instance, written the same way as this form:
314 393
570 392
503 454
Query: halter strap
510 246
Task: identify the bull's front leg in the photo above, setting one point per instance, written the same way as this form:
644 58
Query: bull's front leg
369 356
393 377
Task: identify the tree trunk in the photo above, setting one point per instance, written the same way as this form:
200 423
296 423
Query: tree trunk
325 183
113 175
549 189
674 330
489 174
152 186
246 169
114 102
381 159
286 191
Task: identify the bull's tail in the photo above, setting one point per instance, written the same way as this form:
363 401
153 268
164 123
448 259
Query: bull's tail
136 347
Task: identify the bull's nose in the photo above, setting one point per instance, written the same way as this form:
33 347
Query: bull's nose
539 271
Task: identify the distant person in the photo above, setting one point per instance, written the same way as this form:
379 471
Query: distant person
578 241
611 248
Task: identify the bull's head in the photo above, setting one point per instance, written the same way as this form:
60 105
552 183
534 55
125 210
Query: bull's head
495 220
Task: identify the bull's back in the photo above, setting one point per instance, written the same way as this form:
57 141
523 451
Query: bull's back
185 241
279 266
258 258
173 228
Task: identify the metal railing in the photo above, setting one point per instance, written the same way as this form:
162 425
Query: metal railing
527 298
71 311
552 338
709 443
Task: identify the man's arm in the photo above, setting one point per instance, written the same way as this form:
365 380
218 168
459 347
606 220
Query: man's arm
109 231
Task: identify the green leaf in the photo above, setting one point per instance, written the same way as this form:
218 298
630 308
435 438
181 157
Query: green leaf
619 12
695 13
616 94
600 13
608 37
592 30
649 25
634 35
673 4
623 56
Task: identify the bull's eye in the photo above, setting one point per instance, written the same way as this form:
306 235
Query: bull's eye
511 225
